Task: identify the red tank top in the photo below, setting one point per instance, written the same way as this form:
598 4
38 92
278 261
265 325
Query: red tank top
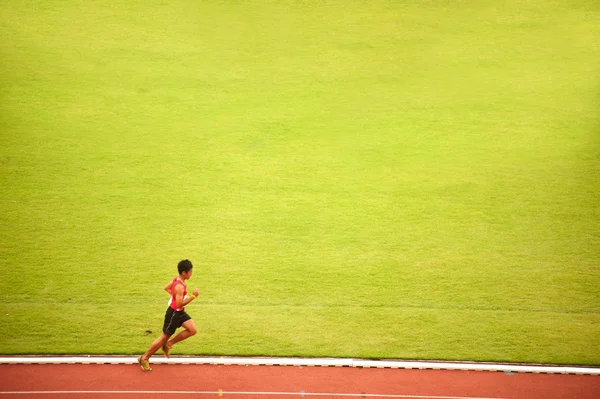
172 302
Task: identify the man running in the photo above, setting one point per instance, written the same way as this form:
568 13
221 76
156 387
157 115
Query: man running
175 315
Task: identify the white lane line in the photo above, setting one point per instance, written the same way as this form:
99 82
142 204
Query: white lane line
223 393
359 395
327 362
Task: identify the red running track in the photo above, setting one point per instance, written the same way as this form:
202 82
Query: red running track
120 381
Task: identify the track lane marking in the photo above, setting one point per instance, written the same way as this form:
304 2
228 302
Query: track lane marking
241 393
325 362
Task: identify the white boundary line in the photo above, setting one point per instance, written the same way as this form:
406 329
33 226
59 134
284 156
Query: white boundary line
326 362
222 393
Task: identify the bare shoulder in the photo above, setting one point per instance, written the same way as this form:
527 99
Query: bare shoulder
179 287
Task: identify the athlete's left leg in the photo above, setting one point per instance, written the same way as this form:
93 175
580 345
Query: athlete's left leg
189 329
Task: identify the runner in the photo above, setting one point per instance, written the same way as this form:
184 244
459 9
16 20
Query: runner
175 315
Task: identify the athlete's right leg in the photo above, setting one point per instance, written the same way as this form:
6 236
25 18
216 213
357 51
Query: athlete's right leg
156 345
143 360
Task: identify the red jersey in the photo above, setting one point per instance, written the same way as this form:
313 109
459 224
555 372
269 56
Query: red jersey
172 302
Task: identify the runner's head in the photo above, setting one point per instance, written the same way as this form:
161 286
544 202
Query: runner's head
185 267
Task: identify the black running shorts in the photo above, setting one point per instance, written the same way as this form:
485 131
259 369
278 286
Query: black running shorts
173 320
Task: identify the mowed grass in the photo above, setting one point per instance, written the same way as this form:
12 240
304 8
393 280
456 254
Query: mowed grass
377 179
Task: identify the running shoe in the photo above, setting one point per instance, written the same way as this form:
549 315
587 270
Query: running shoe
144 364
166 350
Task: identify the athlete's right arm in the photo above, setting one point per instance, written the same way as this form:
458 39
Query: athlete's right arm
168 287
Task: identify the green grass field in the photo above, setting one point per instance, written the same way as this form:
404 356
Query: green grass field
369 179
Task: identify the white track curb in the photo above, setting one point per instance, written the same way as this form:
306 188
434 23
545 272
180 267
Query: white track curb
308 362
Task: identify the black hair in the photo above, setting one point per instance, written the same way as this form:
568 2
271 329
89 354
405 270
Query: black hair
184 266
